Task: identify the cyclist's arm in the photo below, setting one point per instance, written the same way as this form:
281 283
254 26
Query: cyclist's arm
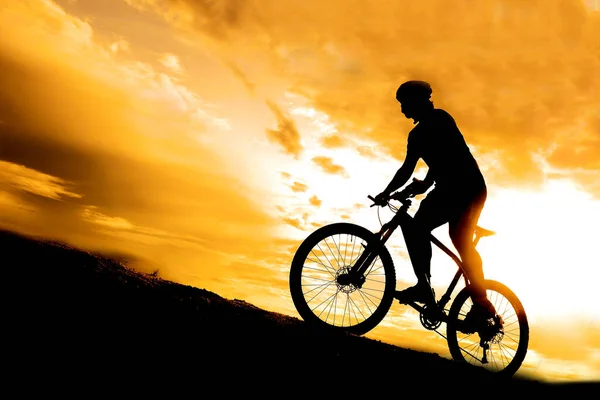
428 181
403 174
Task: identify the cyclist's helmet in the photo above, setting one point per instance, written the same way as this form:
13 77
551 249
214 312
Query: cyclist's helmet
413 90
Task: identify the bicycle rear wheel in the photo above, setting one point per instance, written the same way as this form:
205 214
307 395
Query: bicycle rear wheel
507 342
321 299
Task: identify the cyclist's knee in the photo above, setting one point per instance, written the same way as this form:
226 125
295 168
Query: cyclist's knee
463 243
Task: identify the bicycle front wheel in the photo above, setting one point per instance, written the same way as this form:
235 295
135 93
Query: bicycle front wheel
316 291
500 347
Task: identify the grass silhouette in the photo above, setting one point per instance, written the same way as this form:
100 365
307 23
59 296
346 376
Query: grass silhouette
75 319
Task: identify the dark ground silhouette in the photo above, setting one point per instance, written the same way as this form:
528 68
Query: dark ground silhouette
80 323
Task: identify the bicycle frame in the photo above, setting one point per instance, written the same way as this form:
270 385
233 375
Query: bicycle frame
355 297
402 218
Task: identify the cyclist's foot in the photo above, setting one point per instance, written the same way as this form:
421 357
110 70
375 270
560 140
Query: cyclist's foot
476 318
419 293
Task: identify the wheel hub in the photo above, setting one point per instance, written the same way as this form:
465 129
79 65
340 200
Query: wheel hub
346 282
493 332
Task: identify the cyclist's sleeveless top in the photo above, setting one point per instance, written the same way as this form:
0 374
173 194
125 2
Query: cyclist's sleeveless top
438 141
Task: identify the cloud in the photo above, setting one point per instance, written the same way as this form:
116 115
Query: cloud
299 187
43 83
315 201
366 151
295 222
332 141
328 166
579 148
120 45
237 71
89 213
171 62
32 181
514 75
286 134
11 203
92 215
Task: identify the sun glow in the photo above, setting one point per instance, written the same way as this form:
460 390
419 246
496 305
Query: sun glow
545 248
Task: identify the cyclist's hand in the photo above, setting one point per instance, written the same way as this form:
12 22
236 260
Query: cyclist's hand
381 199
417 186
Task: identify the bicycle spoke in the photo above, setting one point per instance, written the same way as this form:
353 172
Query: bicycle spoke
314 278
350 301
328 269
331 300
331 251
345 251
319 269
368 298
338 249
322 287
366 290
352 254
473 347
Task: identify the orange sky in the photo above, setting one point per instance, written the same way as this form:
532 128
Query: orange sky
206 139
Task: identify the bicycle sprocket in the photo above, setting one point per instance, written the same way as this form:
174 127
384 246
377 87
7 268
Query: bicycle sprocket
430 318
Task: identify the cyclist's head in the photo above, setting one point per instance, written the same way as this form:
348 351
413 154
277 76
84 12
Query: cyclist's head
414 97
413 91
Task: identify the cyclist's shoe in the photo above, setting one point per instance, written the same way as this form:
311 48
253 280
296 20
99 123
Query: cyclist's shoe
419 293
476 319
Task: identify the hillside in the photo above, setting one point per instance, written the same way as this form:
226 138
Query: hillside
74 319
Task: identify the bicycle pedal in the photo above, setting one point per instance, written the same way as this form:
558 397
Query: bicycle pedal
405 302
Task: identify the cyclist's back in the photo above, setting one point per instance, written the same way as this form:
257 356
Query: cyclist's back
437 140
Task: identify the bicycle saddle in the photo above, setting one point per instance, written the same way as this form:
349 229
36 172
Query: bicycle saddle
479 231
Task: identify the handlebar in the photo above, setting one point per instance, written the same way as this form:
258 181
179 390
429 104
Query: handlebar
402 196
373 200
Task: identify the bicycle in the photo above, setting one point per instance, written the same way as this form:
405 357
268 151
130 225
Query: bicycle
361 287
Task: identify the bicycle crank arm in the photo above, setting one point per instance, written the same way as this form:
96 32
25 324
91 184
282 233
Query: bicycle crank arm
485 346
424 309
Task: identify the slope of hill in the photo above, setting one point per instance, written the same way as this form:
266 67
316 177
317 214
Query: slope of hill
79 320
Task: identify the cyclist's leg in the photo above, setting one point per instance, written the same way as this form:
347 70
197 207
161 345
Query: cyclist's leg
461 228
430 215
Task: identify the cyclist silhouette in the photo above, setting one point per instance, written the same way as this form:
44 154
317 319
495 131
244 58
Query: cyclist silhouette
457 198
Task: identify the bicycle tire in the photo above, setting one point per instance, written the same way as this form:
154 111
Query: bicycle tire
317 298
511 315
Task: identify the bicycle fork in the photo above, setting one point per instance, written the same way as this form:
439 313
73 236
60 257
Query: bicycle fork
356 273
